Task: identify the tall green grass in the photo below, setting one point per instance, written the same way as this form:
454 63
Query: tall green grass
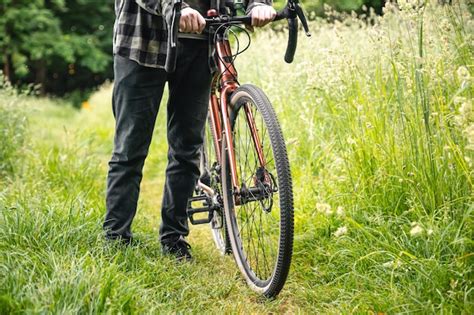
12 128
382 153
378 119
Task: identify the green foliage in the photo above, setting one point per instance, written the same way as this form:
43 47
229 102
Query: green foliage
62 45
65 45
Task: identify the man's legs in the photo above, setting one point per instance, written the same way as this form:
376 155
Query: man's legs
187 113
136 99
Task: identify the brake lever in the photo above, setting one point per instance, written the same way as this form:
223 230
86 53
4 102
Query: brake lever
302 17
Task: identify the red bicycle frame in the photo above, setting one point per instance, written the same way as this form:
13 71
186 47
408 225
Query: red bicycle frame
224 83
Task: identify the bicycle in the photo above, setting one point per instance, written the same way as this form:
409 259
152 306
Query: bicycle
245 186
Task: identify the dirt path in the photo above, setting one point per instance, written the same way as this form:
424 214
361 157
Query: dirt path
209 268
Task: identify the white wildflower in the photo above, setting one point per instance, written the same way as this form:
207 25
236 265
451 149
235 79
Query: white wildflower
319 100
445 25
338 161
405 4
351 141
392 264
409 6
458 119
388 264
469 133
340 231
416 230
324 208
466 112
468 161
463 73
466 108
340 211
459 100
429 232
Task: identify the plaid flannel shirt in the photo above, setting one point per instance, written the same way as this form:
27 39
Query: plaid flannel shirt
140 29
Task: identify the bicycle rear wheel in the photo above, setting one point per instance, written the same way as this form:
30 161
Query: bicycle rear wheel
210 176
260 214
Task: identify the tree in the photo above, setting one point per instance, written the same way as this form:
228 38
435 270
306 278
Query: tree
27 33
63 45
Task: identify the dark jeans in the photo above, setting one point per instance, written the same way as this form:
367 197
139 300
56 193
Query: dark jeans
136 99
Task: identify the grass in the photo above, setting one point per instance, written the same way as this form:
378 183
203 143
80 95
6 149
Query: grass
379 124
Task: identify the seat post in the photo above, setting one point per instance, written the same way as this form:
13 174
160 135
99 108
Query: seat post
215 4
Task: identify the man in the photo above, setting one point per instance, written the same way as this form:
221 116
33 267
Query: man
139 55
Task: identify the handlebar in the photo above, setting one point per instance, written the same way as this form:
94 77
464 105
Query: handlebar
292 12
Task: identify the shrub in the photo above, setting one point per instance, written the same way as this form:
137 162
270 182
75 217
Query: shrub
12 128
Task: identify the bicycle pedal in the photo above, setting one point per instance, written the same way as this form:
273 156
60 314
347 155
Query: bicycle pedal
205 208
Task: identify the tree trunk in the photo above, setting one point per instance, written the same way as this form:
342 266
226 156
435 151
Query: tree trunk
7 66
40 78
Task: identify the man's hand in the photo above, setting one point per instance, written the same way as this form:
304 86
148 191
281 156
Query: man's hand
191 21
262 15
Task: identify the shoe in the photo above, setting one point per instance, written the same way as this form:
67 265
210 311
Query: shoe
179 249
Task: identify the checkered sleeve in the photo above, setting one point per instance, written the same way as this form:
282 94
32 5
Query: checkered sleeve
151 6
138 34
140 30
253 3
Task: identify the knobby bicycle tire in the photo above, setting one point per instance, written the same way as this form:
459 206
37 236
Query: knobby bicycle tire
238 217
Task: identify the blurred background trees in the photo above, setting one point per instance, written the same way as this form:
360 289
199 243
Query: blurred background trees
340 5
65 46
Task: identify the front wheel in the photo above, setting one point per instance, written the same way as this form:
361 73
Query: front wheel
259 212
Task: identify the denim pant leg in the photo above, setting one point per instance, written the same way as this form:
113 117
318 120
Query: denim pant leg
187 112
136 98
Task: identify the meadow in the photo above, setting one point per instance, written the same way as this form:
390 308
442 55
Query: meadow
379 124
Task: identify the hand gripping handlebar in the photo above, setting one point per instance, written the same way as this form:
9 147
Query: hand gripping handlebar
292 12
